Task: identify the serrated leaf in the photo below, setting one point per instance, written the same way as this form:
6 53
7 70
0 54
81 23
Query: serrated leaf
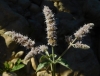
17 67
63 62
42 65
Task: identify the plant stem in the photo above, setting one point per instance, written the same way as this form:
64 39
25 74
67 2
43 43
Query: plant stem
53 64
53 69
53 54
67 48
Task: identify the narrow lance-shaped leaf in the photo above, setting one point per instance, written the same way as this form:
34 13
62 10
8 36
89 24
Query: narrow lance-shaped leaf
17 67
42 65
18 61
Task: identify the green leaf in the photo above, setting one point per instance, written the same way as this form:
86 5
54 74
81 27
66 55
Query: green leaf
7 65
47 53
17 67
63 62
18 61
42 65
44 58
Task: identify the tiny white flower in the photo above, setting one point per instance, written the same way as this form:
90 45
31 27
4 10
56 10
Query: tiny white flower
43 48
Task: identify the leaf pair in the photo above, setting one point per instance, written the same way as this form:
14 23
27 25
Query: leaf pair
45 61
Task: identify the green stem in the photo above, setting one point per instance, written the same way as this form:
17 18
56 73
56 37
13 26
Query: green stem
53 69
67 48
53 64
53 54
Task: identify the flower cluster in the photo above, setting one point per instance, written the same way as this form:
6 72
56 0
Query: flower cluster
19 38
51 28
31 53
83 30
80 45
27 42
35 51
43 48
78 36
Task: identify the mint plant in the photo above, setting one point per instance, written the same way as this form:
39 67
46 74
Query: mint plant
47 59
